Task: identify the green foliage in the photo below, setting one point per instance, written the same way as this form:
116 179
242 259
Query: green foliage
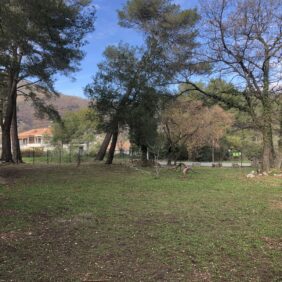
170 35
114 86
38 40
124 93
161 19
45 35
142 118
76 127
246 141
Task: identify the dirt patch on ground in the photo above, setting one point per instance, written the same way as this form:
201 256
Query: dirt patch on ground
17 170
274 244
202 276
82 218
4 181
276 204
14 235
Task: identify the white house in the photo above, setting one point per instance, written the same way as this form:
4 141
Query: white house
36 138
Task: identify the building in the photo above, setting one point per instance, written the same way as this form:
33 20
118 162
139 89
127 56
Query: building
41 138
36 138
123 146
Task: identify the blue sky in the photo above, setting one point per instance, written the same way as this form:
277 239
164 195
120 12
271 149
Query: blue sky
107 32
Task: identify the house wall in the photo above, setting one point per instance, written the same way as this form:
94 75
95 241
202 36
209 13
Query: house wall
35 142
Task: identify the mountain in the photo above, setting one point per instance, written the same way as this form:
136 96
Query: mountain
26 114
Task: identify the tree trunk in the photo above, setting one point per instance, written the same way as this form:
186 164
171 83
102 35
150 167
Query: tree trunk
6 127
17 156
268 154
278 161
103 149
6 145
1 120
112 148
152 157
213 159
144 159
169 156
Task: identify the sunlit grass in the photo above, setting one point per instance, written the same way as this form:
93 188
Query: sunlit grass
95 222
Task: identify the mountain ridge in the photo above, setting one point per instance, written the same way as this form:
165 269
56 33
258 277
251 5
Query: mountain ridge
27 118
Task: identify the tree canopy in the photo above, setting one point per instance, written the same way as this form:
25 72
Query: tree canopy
124 94
39 39
237 41
76 127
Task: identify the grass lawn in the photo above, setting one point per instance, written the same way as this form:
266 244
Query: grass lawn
95 223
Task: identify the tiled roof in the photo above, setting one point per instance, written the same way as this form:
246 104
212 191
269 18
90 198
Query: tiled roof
36 132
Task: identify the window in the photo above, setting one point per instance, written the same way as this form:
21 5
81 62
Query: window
31 140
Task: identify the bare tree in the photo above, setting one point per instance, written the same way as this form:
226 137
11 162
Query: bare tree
189 123
243 40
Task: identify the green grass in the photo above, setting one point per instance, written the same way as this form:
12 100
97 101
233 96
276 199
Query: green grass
99 223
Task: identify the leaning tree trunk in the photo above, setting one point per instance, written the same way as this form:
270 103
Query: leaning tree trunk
144 159
17 156
112 148
103 149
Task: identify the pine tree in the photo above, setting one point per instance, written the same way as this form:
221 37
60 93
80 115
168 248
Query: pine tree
39 39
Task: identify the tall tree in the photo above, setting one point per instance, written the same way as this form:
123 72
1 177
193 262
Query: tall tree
244 40
143 119
111 91
118 93
39 39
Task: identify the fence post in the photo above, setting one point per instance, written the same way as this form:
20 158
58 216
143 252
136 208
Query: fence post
78 157
60 156
33 155
47 156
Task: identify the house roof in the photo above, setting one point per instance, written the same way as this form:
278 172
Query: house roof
36 132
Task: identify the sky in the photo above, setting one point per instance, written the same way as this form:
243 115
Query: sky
107 32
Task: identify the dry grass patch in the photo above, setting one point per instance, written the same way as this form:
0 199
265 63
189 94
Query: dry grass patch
273 244
276 204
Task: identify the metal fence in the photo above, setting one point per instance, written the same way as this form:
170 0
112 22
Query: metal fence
63 156
56 156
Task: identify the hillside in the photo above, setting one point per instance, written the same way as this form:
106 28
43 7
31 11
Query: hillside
26 114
